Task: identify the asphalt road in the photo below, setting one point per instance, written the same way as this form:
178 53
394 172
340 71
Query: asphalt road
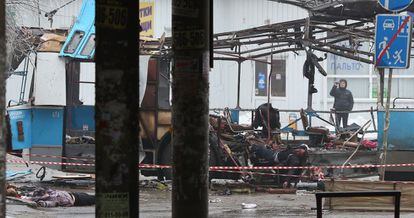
23 211
156 203
16 210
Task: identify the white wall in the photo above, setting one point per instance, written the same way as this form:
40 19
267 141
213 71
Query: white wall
233 15
229 15
28 14
50 80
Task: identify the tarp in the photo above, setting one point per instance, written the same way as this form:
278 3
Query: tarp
10 174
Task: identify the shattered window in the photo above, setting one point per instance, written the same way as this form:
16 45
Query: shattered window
74 42
164 85
89 46
278 79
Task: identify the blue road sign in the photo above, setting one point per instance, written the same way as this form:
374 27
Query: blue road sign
395 5
392 41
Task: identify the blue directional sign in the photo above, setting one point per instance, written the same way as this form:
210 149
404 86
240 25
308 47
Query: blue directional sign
395 5
393 41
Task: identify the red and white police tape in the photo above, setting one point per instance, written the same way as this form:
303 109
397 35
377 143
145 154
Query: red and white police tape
154 166
49 163
259 173
53 156
217 168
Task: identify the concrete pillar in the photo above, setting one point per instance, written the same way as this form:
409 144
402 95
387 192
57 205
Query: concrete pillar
190 33
116 108
2 106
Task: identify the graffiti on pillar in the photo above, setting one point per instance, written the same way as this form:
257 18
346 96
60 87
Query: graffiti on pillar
184 8
189 39
114 204
110 16
187 65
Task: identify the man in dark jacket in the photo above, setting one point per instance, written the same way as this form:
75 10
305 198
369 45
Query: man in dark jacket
344 101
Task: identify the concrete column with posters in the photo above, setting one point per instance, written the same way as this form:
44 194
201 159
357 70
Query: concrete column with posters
117 29
190 33
2 106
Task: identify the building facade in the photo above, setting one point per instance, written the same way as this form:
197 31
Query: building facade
289 87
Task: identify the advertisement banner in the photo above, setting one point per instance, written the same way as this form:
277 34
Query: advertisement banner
146 18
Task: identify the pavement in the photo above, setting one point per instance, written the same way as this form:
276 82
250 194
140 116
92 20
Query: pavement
22 211
16 210
156 202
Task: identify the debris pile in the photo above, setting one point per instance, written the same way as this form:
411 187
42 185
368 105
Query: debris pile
80 140
237 145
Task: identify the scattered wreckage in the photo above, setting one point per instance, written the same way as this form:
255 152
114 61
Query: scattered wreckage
244 145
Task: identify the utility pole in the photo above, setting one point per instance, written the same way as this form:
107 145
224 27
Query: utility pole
386 126
116 108
239 63
190 33
381 87
2 106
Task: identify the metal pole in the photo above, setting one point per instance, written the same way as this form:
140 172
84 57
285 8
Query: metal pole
239 62
269 90
116 109
269 80
381 88
310 83
309 97
190 88
2 106
39 13
386 125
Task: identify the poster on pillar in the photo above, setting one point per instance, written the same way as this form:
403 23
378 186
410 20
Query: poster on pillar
146 19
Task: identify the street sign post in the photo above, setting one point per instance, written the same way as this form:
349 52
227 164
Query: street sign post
393 41
395 5
392 50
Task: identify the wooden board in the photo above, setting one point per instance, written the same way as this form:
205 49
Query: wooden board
79 176
23 201
369 203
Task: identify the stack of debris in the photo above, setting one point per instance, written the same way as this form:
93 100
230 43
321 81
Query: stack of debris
80 140
350 138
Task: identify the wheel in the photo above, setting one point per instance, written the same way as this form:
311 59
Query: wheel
166 159
213 161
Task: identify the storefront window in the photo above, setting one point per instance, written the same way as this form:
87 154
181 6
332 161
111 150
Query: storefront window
278 79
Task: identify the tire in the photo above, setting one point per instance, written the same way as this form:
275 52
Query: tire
166 159
213 161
